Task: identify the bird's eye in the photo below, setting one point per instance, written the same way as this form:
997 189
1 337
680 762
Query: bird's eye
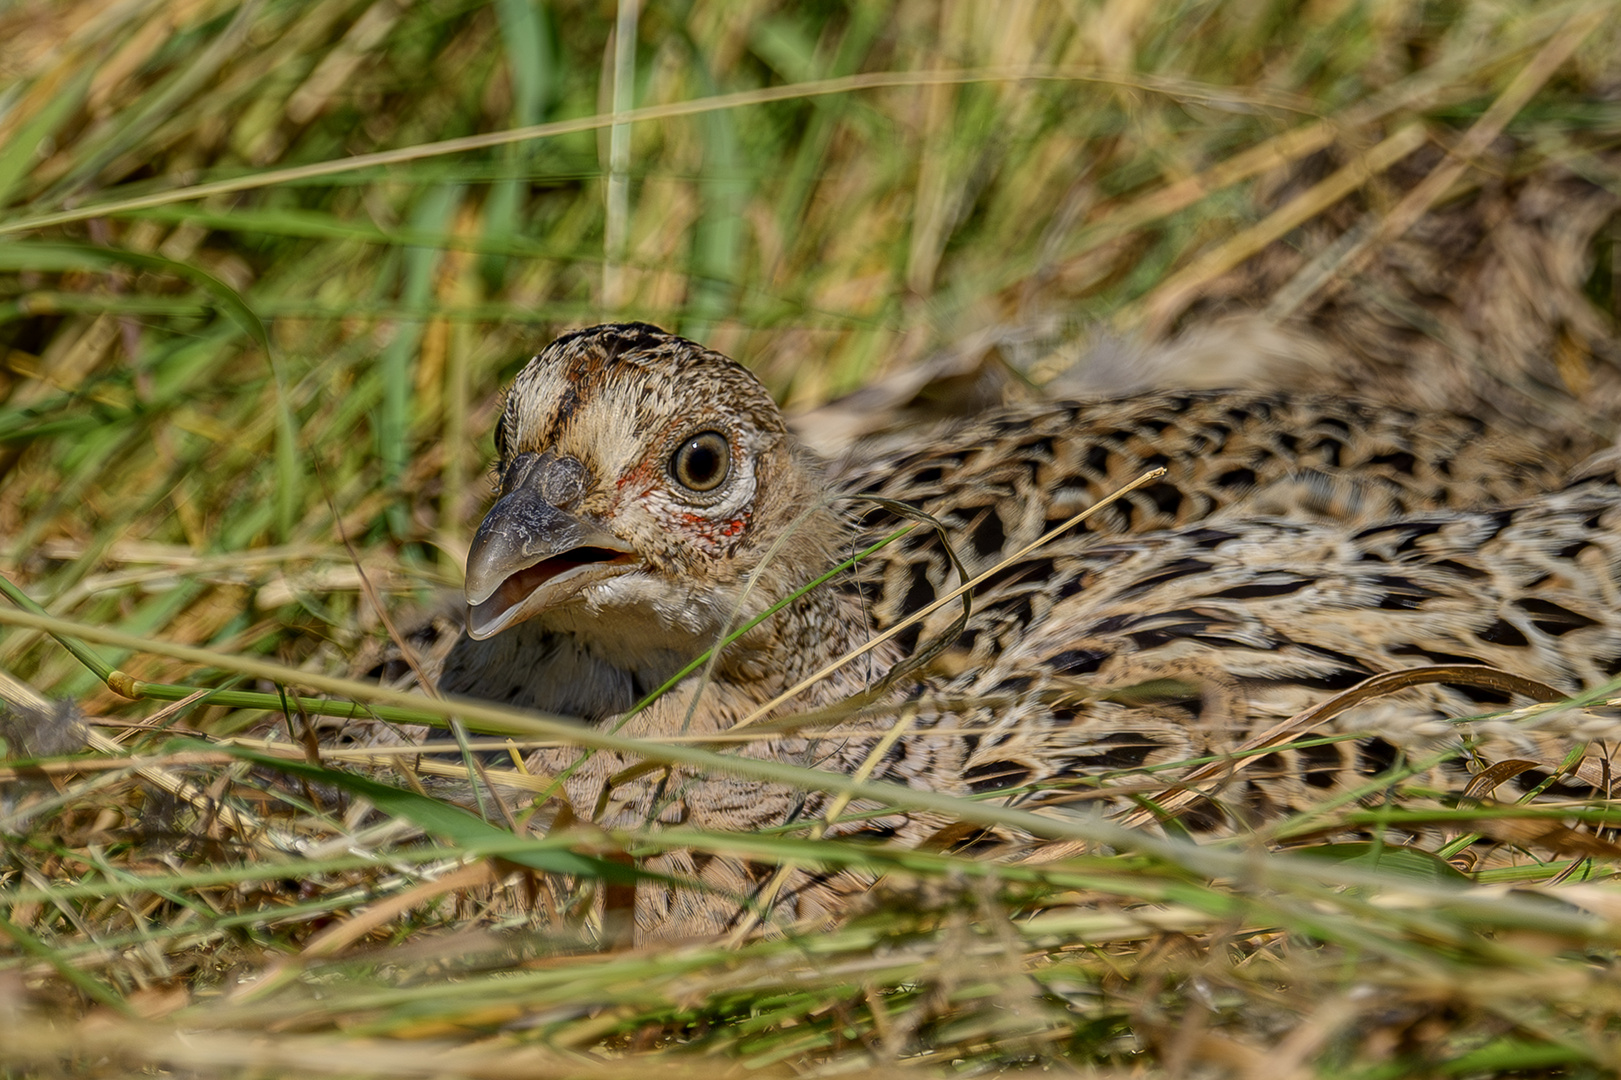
701 462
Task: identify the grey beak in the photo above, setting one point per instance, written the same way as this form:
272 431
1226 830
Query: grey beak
524 530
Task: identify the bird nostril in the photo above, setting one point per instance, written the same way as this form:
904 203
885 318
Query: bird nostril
560 481
563 481
517 472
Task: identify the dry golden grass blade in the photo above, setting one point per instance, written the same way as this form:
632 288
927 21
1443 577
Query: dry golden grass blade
17 695
389 756
119 764
336 939
1156 311
1538 834
142 1045
835 808
718 103
248 827
1463 155
1487 780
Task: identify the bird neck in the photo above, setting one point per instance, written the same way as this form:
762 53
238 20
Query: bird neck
812 632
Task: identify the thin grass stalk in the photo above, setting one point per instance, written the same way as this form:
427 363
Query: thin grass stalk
617 231
1175 88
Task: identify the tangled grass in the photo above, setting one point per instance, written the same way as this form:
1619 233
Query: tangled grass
263 265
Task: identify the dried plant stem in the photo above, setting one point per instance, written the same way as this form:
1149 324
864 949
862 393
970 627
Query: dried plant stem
818 88
1460 157
1157 310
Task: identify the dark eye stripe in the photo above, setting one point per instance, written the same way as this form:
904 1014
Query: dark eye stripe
702 461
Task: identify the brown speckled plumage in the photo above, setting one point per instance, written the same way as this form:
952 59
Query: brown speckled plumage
1295 547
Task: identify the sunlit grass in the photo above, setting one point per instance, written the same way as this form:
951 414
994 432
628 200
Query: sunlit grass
262 270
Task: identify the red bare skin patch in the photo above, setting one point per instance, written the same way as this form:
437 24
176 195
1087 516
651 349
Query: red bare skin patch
643 481
639 474
711 534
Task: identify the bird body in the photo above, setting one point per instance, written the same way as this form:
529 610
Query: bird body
651 499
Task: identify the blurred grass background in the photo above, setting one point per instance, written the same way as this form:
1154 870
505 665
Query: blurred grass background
264 266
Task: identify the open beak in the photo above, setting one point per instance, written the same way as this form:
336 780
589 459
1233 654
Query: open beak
529 556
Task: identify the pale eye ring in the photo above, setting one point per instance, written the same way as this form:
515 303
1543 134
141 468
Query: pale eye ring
702 461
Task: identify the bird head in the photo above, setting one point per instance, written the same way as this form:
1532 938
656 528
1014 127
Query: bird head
641 478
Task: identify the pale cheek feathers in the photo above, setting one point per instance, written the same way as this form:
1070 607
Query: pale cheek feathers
679 528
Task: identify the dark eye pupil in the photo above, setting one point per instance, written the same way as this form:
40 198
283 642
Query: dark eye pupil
702 462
